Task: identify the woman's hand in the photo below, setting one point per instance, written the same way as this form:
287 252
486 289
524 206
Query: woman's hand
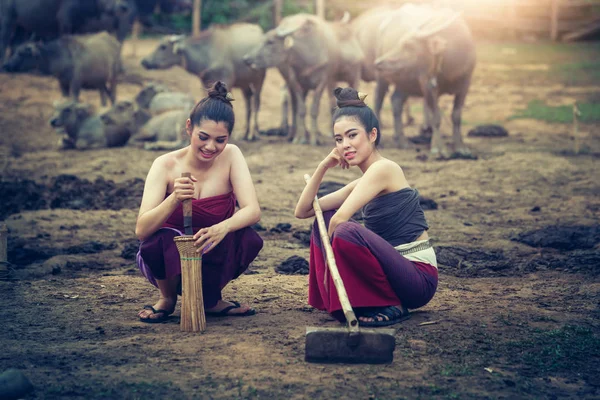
207 239
333 159
183 188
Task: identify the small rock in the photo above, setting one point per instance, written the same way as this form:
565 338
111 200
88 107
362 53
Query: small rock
536 209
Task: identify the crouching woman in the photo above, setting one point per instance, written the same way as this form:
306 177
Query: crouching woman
388 265
219 177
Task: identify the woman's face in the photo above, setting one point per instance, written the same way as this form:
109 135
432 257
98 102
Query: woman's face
208 139
352 140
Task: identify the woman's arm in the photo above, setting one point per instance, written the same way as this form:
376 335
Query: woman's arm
249 212
155 208
375 180
304 208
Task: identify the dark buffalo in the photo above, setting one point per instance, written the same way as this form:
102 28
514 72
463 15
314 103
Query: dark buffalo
48 19
77 61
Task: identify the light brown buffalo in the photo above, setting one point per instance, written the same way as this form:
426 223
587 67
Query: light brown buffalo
426 51
310 54
217 55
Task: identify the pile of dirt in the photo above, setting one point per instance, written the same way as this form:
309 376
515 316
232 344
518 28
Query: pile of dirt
71 192
295 265
22 252
575 237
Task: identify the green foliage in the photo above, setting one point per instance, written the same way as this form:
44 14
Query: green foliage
230 11
537 109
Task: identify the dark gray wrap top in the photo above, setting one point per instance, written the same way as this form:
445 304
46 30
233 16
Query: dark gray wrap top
397 217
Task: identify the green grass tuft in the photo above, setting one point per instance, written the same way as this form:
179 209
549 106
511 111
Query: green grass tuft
537 109
568 349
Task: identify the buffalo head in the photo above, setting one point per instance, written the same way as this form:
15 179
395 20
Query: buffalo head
419 47
25 58
270 53
166 55
69 115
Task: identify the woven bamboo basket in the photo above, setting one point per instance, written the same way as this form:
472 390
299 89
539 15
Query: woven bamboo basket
192 302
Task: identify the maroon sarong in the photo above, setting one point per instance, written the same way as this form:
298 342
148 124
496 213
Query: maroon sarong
158 257
373 272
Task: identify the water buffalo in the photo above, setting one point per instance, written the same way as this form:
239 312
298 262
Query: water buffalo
145 96
47 19
165 131
427 52
85 130
366 30
310 54
77 61
217 54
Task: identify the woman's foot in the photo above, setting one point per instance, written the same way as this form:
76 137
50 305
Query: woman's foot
159 312
382 316
230 308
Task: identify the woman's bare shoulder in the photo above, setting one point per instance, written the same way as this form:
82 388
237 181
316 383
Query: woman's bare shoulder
170 160
385 166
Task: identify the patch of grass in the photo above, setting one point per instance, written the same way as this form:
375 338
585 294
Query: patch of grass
568 63
456 370
544 52
570 349
537 109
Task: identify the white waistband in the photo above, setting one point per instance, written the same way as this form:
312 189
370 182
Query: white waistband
425 256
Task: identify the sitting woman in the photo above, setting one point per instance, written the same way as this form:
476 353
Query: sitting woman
387 265
219 176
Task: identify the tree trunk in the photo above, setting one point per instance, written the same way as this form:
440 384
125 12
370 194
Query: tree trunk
196 17
320 8
277 8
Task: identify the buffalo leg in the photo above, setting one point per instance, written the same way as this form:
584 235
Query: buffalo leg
248 101
381 89
438 148
459 102
112 88
333 100
294 114
315 135
398 100
426 129
257 89
5 35
409 118
103 94
285 104
300 122
65 89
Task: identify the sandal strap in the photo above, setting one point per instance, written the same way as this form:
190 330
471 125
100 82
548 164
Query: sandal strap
381 313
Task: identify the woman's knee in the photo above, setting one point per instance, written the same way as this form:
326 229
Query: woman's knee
348 230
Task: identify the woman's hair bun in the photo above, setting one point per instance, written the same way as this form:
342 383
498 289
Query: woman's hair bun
219 91
349 97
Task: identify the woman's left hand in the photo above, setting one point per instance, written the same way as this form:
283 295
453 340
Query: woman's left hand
208 238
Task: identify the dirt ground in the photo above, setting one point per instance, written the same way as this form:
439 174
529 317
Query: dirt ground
517 234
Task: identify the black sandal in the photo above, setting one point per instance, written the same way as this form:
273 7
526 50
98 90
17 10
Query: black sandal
385 316
164 315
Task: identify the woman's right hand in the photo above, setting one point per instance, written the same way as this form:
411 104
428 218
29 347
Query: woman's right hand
183 188
333 159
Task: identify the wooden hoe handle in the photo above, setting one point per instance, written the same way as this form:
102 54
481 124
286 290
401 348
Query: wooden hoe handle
333 270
